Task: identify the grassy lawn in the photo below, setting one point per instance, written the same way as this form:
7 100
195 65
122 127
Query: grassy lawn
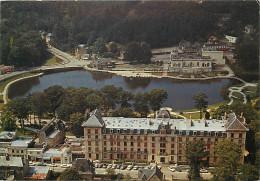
197 115
51 61
238 95
3 84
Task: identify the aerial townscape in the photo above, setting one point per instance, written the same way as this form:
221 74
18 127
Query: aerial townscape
129 90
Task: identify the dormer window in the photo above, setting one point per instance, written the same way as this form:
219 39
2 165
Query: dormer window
138 131
163 126
153 132
118 131
194 133
111 131
125 131
145 131
104 130
132 131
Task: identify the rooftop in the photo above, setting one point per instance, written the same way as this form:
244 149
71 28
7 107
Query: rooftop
7 135
36 173
153 124
21 142
11 162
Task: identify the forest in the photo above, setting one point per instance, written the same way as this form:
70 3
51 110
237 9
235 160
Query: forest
159 24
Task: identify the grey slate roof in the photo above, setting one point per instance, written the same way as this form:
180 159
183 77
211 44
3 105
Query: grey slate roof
7 135
147 174
12 162
95 120
84 166
233 124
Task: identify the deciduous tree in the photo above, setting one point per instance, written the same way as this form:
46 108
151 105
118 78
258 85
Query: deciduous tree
228 161
53 95
8 122
141 103
200 102
69 174
157 98
195 152
74 124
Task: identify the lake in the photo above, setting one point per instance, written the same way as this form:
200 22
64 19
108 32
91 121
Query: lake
180 93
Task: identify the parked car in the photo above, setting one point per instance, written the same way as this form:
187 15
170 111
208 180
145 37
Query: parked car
65 166
109 166
171 168
147 167
160 167
136 167
53 165
31 163
41 164
105 166
178 169
96 165
122 167
114 166
118 167
100 165
129 167
203 170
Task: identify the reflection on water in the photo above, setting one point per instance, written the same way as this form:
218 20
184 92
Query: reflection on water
137 82
22 87
101 76
180 93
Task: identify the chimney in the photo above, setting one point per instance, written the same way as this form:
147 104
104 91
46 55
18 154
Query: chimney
205 123
244 120
191 123
241 116
225 115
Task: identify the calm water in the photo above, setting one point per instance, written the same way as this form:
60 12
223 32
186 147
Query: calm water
180 93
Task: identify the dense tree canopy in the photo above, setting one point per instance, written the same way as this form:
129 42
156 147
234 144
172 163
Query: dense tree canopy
229 155
195 152
69 174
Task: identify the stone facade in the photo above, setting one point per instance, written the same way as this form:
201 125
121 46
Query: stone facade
160 140
53 133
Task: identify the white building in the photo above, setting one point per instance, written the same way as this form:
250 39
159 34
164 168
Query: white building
231 39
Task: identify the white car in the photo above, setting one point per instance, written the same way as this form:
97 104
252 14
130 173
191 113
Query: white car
203 170
135 167
172 169
53 165
129 167
109 166
31 164
65 166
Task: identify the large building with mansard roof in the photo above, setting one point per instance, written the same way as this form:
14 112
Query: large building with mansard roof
160 140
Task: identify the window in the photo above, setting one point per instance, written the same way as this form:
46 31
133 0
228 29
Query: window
172 145
240 135
118 143
104 136
132 149
89 143
145 138
232 135
153 138
96 131
12 151
118 131
125 149
138 156
153 151
138 137
104 130
111 131
125 131
172 139
145 144
21 151
153 144
89 155
138 144
145 150
111 143
180 139
96 137
105 143
88 131
132 143
153 132
105 149
172 152
125 144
